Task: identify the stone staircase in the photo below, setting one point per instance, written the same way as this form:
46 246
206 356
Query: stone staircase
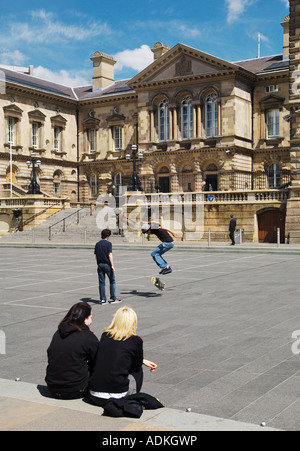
72 225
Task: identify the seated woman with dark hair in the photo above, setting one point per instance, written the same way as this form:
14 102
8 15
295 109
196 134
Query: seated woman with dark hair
71 354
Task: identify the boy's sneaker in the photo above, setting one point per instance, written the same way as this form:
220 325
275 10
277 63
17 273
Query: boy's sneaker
167 270
103 302
114 301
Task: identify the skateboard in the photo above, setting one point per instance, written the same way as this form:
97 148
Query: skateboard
158 283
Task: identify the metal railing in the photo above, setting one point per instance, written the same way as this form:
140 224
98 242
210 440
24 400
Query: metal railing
63 221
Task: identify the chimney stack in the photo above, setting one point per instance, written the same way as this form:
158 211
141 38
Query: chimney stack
286 37
103 70
159 49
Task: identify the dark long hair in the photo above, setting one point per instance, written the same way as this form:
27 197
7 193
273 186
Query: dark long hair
76 315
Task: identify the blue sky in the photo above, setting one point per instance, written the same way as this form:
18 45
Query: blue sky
59 37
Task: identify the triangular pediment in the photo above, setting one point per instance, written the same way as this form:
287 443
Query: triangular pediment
182 62
37 115
13 110
58 120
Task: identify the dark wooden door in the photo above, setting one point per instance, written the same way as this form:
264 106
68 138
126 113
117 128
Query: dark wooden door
268 223
164 184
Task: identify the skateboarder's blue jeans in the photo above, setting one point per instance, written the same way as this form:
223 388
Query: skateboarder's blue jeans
103 270
159 251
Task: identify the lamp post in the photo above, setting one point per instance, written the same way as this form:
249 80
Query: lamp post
135 183
34 187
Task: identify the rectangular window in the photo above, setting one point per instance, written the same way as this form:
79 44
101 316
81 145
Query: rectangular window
117 138
92 136
11 130
35 135
271 88
57 139
56 189
272 119
93 182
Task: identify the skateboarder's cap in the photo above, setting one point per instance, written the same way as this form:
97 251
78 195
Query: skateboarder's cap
145 228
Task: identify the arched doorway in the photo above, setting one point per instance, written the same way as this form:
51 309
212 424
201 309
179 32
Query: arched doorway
211 178
268 223
163 180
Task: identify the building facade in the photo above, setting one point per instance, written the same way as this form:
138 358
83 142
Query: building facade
200 124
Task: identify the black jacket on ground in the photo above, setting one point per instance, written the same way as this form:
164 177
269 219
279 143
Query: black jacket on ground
71 356
114 362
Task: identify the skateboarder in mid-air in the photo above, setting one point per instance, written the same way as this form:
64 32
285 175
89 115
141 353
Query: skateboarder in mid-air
167 243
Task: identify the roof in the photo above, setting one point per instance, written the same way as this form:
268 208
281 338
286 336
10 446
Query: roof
265 64
118 87
256 66
38 83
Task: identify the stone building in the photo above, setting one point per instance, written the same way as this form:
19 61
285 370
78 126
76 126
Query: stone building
200 124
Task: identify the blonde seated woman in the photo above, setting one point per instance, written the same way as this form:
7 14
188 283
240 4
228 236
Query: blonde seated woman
118 368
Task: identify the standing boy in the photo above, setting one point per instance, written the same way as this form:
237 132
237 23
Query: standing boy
104 258
167 243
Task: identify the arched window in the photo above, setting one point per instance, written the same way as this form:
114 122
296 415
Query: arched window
186 118
211 116
274 176
163 120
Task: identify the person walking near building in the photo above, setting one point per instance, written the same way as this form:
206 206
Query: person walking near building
167 243
104 258
232 227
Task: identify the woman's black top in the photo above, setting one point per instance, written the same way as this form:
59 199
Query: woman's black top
115 360
71 356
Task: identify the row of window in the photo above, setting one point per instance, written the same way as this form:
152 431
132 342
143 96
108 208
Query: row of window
275 179
211 126
211 118
35 134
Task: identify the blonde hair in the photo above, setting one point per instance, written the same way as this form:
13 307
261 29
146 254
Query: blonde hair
123 325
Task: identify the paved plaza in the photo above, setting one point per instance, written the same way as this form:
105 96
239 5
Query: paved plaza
221 332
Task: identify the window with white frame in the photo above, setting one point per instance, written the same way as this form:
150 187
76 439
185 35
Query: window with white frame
117 138
92 140
35 135
163 121
93 183
186 118
272 119
211 116
271 88
274 176
57 138
11 130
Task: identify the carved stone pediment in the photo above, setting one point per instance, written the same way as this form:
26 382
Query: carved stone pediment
36 116
58 121
12 111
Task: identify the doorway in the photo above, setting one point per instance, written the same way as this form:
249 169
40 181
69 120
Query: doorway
211 181
268 223
164 184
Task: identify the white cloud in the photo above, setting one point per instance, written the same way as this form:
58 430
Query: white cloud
136 59
43 28
286 2
12 57
62 77
235 9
